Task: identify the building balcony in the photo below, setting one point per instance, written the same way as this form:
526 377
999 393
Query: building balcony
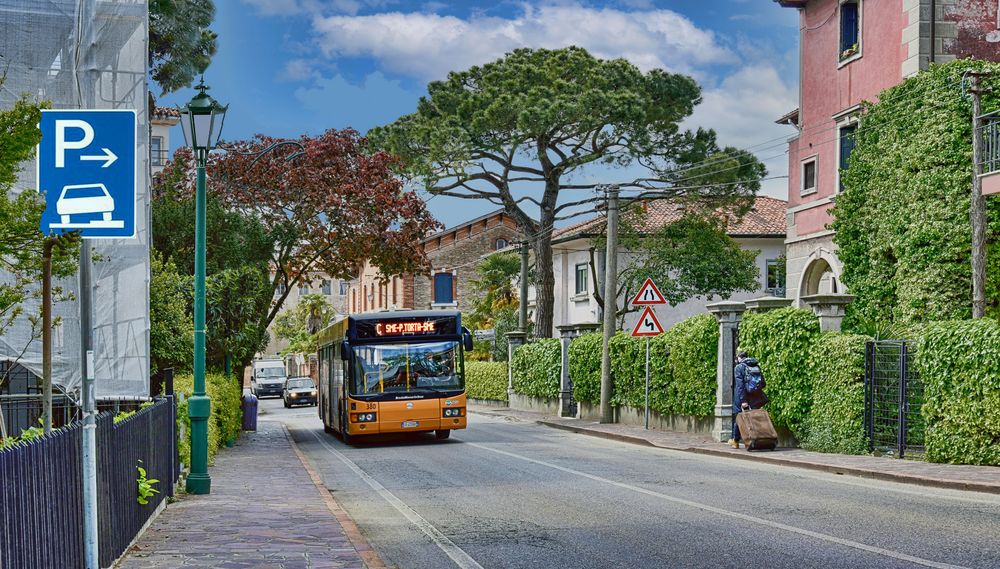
991 154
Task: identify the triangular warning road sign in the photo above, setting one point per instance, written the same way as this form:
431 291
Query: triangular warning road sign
648 294
647 325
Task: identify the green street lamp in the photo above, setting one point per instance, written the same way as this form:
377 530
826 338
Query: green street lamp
201 121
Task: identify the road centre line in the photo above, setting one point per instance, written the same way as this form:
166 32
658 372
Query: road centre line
456 553
737 515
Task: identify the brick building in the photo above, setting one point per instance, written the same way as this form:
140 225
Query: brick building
850 51
453 255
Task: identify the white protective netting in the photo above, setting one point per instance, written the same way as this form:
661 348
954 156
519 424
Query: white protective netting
87 54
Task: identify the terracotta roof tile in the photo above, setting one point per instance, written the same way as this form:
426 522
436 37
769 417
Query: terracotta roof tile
766 217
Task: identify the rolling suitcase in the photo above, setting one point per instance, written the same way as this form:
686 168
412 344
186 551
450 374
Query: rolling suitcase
757 430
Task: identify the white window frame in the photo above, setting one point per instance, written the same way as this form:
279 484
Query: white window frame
157 156
581 294
814 160
861 27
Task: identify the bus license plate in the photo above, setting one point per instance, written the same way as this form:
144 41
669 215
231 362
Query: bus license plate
408 424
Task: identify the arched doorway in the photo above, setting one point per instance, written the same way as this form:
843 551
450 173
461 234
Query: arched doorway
820 277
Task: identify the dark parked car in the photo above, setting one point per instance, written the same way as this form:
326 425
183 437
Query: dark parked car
299 391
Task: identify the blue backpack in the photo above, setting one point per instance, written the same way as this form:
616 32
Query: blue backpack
755 378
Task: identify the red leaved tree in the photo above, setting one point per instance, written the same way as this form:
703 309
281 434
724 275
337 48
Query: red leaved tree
330 206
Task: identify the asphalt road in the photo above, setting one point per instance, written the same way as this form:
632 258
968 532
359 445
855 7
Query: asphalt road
512 494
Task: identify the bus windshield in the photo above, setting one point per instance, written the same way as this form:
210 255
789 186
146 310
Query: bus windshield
399 368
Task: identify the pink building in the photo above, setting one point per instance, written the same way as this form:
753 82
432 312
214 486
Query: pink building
851 50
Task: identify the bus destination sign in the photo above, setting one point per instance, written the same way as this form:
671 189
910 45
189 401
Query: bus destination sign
400 328
407 326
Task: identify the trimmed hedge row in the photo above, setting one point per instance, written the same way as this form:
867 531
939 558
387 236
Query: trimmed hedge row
536 368
683 383
225 422
959 364
486 380
782 340
836 417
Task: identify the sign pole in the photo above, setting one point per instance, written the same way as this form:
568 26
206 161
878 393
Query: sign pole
647 383
89 401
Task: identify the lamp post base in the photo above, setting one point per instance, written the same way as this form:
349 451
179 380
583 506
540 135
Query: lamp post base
198 484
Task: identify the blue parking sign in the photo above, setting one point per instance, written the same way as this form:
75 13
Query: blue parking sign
87 172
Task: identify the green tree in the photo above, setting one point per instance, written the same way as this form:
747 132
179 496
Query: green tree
180 44
902 221
234 300
171 332
540 118
690 257
495 287
300 325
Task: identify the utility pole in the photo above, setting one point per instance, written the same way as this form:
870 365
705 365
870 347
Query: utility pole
977 211
522 308
610 303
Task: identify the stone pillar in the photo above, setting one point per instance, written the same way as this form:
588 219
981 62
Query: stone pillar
768 303
567 405
729 315
830 308
514 341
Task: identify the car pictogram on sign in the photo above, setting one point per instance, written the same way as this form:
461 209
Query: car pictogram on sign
86 199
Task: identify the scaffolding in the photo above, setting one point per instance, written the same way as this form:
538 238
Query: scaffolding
87 54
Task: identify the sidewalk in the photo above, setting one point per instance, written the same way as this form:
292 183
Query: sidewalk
265 511
958 477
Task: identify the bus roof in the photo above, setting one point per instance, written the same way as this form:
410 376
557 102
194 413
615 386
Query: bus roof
338 328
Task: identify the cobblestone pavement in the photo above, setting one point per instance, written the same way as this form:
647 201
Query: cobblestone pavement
959 477
264 512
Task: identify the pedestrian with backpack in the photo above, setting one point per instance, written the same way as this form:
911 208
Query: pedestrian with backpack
748 391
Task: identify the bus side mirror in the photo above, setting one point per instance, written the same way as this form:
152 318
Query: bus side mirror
467 339
345 351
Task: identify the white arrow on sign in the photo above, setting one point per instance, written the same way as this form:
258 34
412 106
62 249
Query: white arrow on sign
109 157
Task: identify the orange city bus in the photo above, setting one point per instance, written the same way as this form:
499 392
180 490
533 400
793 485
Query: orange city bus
392 372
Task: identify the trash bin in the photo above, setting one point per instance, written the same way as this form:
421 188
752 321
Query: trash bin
249 412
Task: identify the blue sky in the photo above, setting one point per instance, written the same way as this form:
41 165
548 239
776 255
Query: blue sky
288 67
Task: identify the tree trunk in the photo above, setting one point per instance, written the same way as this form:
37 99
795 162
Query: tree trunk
544 285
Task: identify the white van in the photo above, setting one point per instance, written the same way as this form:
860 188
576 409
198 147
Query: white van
267 378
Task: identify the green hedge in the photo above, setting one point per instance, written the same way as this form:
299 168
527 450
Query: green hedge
536 368
227 413
486 380
683 384
585 367
959 364
694 345
836 418
781 340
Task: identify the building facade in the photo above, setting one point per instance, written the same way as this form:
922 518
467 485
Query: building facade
160 123
850 51
335 292
762 229
453 255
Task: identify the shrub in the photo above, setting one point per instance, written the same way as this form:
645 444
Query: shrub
585 367
482 351
536 368
225 421
836 418
486 380
781 340
693 362
959 364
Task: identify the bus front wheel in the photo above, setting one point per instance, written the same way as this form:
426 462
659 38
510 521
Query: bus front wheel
442 434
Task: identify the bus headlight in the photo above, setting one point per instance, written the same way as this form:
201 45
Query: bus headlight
454 412
364 417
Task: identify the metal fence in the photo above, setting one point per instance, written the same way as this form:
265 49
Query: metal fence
894 396
991 142
41 501
23 411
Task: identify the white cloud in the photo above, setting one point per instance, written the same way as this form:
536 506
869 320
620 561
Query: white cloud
742 110
297 70
427 46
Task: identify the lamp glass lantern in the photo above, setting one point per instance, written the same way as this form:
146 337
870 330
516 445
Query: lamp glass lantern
202 119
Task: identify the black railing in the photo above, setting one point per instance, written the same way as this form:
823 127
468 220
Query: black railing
894 396
24 411
41 502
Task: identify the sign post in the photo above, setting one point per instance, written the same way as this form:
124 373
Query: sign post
648 326
88 175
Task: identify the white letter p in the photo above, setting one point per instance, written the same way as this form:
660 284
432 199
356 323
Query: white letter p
62 145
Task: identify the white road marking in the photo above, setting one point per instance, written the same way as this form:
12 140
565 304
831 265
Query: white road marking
727 513
456 553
